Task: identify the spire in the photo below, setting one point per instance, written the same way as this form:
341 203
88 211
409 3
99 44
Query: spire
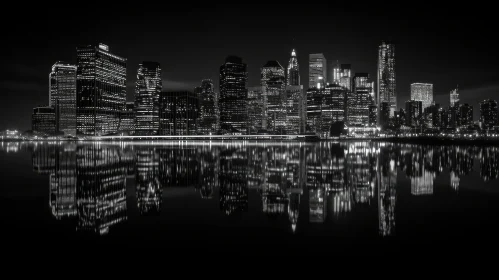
293 53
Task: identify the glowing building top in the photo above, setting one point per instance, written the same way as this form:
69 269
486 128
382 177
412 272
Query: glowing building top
293 74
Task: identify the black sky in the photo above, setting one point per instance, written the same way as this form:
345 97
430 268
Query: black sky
443 45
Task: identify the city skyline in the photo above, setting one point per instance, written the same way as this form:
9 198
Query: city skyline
415 56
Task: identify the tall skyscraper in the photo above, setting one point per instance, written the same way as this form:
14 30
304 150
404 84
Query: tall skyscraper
336 73
384 114
208 109
101 90
233 94
317 68
295 110
454 97
360 100
274 96
466 114
346 76
386 76
147 90
179 112
127 119
255 109
63 96
488 113
293 74
414 113
422 92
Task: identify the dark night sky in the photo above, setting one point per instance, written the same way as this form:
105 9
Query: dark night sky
445 46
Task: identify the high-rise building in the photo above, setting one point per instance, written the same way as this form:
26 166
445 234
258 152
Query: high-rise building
274 96
233 94
147 90
360 100
338 96
295 110
293 74
43 120
317 68
488 113
101 90
384 114
414 113
208 109
373 115
422 92
127 119
255 109
314 113
386 76
178 113
336 73
435 115
454 97
346 76
466 114
63 96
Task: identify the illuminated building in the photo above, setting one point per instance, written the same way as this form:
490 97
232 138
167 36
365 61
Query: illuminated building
179 112
359 101
373 115
127 119
488 113
147 90
454 116
434 115
63 96
101 90
317 68
293 74
43 120
274 97
233 94
336 73
454 97
444 118
466 114
255 109
295 110
414 113
399 118
148 187
208 108
386 76
422 92
346 76
338 95
384 114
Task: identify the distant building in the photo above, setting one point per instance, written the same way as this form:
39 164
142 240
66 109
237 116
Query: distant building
255 109
373 115
360 100
488 113
147 90
454 97
127 120
274 97
179 111
422 92
345 79
43 120
63 96
317 68
101 90
295 110
384 114
208 108
314 110
338 96
466 114
399 118
386 76
414 113
293 73
435 115
233 94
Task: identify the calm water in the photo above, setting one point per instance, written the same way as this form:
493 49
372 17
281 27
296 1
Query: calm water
251 198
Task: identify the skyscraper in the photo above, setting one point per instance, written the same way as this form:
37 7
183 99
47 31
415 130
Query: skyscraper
63 96
454 97
422 92
295 110
101 90
466 114
274 96
488 113
414 111
345 78
43 120
208 109
317 67
293 74
255 109
233 94
179 111
386 76
360 100
127 119
147 90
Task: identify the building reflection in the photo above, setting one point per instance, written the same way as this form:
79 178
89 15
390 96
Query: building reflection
314 183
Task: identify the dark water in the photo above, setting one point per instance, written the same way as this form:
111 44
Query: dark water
251 198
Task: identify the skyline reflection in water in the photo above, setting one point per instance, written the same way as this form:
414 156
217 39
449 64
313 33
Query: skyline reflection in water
307 184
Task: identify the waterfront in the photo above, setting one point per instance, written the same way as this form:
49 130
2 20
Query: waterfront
250 197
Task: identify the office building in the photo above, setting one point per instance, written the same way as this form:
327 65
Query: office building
454 97
179 112
317 68
466 114
295 110
293 74
414 113
384 114
255 110
147 90
233 94
101 90
386 76
359 101
63 96
43 120
127 120
208 108
274 97
422 92
345 79
488 114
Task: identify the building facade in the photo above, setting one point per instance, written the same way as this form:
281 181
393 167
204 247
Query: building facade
386 76
454 97
274 97
101 90
295 110
208 108
488 113
317 68
414 113
422 92
233 94
43 120
63 96
293 73
127 120
255 109
147 90
179 111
